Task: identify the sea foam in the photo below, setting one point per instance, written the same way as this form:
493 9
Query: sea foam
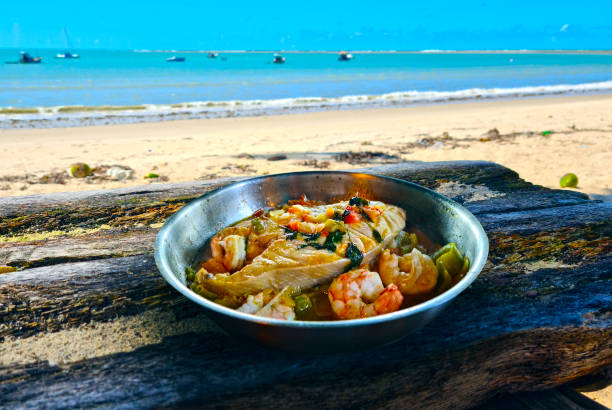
70 116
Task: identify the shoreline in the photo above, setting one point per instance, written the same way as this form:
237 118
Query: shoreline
186 150
82 115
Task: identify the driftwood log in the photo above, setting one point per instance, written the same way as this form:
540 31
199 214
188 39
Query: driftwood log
86 320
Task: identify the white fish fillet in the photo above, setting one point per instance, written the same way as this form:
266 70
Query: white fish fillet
284 264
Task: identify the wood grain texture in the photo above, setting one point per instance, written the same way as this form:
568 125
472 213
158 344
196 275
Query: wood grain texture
539 314
70 294
213 371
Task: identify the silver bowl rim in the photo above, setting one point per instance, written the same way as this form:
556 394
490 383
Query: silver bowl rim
440 300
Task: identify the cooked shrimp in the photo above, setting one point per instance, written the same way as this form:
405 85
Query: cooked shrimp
280 307
252 303
231 251
360 293
413 273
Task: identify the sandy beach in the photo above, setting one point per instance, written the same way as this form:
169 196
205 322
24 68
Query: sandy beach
541 139
508 132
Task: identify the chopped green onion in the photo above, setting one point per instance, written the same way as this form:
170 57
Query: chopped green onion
258 225
444 278
189 274
449 260
405 242
302 303
450 256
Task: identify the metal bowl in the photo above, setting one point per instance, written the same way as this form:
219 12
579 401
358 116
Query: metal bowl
181 239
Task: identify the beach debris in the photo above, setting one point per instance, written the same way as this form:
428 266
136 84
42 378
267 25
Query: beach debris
51 178
119 173
151 175
245 155
240 168
437 145
569 181
426 142
315 163
277 157
492 134
79 170
58 177
545 133
208 176
7 269
367 157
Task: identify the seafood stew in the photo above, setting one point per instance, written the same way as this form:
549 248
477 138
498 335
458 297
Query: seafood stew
313 261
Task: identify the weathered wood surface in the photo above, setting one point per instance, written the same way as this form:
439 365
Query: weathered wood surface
538 316
560 398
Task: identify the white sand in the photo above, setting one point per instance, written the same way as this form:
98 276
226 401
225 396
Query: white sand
581 142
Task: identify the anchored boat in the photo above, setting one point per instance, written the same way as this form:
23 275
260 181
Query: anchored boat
67 54
28 59
344 56
278 59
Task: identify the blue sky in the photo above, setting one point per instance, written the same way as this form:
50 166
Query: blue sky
329 25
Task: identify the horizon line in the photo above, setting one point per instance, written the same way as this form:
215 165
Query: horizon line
293 51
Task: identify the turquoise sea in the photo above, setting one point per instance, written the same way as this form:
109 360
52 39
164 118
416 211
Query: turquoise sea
249 84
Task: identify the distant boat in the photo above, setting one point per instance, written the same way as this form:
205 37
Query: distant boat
28 59
212 54
278 59
344 56
175 59
67 54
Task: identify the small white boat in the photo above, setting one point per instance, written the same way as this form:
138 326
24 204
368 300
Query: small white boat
175 59
212 54
66 54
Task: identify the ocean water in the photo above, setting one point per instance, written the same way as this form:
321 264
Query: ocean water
127 86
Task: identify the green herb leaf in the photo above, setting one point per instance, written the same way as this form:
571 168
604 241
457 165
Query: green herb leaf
366 216
354 255
311 236
332 240
290 233
376 235
312 244
338 216
356 201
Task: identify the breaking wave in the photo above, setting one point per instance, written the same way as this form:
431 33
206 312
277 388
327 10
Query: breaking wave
72 116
